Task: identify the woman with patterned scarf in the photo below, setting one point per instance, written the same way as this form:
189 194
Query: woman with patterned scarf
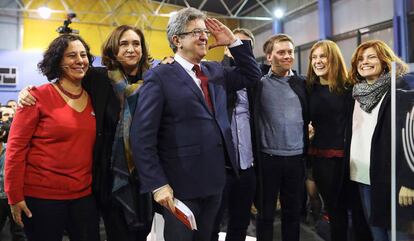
368 132
127 214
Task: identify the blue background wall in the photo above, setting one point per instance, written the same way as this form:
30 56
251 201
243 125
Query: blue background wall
27 72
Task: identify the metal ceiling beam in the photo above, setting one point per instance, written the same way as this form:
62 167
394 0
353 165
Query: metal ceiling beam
245 18
8 10
113 11
202 4
66 6
227 8
159 7
145 11
186 4
235 16
93 4
27 6
19 3
241 7
264 7
236 6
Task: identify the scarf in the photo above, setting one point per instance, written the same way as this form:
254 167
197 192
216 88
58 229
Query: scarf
369 95
136 207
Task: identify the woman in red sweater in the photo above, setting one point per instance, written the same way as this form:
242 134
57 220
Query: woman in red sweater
49 156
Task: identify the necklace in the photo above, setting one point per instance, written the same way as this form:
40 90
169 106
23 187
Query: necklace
67 93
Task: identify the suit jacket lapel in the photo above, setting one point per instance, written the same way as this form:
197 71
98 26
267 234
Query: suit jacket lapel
181 74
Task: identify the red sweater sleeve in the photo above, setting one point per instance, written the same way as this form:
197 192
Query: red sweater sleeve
22 129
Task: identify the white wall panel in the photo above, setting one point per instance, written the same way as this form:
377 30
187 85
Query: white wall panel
304 60
286 5
260 40
303 29
347 47
385 35
9 41
349 15
10 24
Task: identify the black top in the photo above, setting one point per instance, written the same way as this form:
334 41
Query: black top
327 113
132 79
107 108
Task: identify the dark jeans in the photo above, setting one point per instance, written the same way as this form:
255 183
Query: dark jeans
79 217
116 227
237 198
205 211
16 231
284 175
340 195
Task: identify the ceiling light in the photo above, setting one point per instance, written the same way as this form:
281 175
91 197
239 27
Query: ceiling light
279 13
172 13
44 12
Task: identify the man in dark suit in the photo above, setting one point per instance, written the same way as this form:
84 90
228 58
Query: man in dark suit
180 134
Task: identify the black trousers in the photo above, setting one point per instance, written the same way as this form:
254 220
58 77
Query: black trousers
237 199
205 211
79 217
16 231
284 175
116 227
339 196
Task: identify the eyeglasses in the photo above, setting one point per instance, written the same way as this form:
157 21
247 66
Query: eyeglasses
197 32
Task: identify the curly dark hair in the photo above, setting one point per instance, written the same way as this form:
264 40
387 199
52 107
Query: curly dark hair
50 64
111 47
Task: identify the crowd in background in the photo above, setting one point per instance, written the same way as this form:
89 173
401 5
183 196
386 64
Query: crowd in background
126 140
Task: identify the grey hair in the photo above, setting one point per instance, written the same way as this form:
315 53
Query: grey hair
245 32
178 23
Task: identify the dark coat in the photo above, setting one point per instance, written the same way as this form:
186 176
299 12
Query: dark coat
380 163
107 108
298 85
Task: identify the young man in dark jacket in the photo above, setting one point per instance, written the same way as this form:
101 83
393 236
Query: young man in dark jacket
281 123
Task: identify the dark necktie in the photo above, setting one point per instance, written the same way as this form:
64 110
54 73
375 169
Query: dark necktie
204 85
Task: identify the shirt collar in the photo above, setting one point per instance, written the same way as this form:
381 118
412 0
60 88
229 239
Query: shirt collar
183 62
270 73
